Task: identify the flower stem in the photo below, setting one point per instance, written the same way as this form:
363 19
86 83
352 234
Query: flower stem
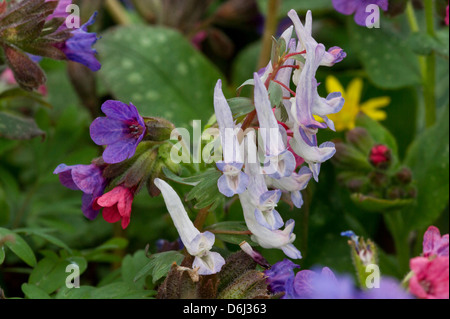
118 12
269 30
201 218
430 75
231 232
395 224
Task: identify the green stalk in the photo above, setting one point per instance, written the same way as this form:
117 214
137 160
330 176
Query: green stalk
430 76
269 30
395 223
414 25
118 12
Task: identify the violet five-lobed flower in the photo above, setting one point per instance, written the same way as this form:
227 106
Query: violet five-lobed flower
359 8
79 47
324 284
85 178
122 131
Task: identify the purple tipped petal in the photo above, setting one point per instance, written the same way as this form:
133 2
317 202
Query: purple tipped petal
271 221
297 199
117 110
346 7
292 252
119 151
79 47
279 274
65 176
87 206
88 178
105 131
230 185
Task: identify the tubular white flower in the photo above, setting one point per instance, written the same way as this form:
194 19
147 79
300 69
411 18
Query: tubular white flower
197 244
279 161
266 237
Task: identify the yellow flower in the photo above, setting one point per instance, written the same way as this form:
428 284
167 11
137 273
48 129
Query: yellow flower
345 119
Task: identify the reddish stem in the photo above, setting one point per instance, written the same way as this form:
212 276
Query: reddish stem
286 87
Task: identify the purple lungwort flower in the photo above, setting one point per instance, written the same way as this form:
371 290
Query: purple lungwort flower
359 8
122 130
293 184
79 49
434 244
279 274
233 181
323 284
279 161
85 178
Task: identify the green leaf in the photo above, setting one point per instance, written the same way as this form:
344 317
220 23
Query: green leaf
378 205
18 246
34 292
130 267
386 57
120 290
241 106
206 192
428 158
162 74
50 273
43 233
159 265
19 93
303 5
16 127
275 94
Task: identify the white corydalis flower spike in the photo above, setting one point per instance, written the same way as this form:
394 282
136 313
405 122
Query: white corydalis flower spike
279 161
304 33
197 244
233 181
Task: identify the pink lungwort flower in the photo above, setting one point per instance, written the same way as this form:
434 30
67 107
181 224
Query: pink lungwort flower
431 278
116 205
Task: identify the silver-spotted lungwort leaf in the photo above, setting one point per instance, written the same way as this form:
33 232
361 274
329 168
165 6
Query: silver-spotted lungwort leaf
388 59
15 127
159 71
428 158
303 5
